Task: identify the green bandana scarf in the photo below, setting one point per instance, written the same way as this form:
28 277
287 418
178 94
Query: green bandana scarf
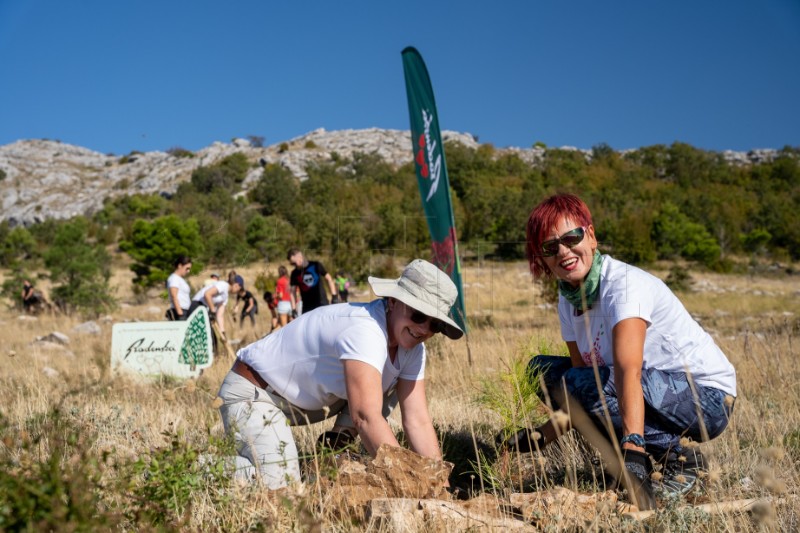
591 285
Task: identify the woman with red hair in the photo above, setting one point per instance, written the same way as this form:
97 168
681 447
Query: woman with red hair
661 376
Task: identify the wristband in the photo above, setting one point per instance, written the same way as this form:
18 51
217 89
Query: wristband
633 438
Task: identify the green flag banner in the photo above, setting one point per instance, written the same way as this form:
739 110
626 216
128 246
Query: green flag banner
434 186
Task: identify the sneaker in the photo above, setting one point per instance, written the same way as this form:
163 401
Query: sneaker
680 472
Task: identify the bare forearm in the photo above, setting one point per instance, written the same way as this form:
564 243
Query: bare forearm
631 400
423 439
175 302
374 430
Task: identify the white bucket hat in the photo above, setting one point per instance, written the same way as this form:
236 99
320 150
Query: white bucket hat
425 288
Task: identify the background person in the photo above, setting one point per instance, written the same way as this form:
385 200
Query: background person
356 361
284 297
249 305
180 294
272 305
307 278
342 282
31 299
657 367
215 297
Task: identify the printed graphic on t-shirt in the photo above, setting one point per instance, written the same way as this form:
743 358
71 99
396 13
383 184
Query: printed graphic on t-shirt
595 352
310 278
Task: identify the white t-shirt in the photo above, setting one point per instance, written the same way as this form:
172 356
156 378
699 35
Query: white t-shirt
220 298
184 292
304 361
674 341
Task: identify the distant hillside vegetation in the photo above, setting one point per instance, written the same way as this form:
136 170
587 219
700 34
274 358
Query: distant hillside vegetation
657 202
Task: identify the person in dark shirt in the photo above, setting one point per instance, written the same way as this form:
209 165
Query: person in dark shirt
250 306
31 299
307 278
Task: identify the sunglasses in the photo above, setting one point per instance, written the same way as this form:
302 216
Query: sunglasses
435 325
570 239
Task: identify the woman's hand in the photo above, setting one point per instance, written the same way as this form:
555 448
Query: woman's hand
628 344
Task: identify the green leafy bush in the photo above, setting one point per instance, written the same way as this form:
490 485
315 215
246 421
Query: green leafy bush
177 151
50 480
227 174
277 191
16 245
79 270
677 235
155 245
166 482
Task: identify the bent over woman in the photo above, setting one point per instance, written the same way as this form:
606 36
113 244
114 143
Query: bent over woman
355 361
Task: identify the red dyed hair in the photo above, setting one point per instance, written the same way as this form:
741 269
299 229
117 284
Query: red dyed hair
544 218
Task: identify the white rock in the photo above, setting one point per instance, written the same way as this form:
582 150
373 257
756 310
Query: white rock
55 337
90 328
50 372
50 179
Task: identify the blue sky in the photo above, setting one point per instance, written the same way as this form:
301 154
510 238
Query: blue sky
121 75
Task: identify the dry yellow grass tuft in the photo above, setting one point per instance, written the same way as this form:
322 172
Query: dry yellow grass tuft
756 321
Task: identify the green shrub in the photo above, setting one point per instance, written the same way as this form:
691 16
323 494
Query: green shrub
16 245
166 482
177 151
130 158
284 147
79 270
679 279
277 191
226 174
155 245
677 235
256 141
50 480
310 144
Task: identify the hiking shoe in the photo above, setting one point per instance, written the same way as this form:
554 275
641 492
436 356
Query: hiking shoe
635 479
680 473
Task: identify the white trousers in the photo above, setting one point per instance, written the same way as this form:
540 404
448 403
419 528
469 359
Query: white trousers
260 422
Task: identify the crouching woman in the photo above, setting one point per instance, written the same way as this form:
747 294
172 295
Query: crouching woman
662 377
355 361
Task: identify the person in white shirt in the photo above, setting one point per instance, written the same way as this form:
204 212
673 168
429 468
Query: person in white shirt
355 361
663 378
215 298
179 292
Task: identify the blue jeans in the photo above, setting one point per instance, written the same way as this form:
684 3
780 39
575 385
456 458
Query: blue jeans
671 409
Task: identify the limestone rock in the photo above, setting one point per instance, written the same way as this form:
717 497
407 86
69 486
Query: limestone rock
394 473
89 328
55 337
50 179
50 372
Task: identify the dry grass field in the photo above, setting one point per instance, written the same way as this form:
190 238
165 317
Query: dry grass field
90 450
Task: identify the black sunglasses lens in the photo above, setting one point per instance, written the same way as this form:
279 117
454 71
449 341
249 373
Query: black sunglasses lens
570 239
550 248
436 326
418 318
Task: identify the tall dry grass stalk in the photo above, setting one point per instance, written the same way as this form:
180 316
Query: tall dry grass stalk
756 321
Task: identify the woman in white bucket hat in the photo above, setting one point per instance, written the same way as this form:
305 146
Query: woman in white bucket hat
353 360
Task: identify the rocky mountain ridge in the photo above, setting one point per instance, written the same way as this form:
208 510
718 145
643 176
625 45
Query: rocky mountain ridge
49 179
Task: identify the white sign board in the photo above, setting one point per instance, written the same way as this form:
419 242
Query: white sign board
181 349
